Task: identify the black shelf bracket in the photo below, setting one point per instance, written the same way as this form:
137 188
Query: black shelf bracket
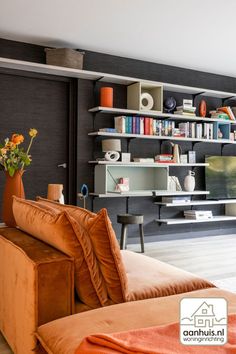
222 147
127 205
128 143
226 98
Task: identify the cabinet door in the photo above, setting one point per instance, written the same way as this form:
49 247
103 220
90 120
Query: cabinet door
28 102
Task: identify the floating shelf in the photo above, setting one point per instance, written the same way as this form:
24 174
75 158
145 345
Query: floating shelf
178 221
103 77
148 164
147 193
155 137
170 116
197 202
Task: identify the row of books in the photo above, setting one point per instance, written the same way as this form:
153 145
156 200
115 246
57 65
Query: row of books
150 126
197 130
144 125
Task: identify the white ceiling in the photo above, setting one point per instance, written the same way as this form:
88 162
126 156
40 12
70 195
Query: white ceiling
197 34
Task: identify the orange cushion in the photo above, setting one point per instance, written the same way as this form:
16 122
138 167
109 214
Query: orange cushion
80 214
61 230
148 278
108 254
105 246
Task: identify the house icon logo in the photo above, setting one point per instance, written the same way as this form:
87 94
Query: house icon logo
203 321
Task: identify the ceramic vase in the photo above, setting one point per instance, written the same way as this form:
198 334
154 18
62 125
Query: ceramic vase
13 186
189 182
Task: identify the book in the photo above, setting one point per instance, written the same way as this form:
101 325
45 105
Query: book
129 125
185 113
228 111
120 124
176 200
164 158
143 159
133 125
186 108
141 122
198 214
108 130
146 126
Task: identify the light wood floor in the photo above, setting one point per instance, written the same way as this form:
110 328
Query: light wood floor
213 258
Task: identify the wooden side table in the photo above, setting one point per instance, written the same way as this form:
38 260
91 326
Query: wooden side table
129 219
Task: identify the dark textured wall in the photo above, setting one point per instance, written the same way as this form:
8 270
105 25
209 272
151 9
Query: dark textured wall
88 148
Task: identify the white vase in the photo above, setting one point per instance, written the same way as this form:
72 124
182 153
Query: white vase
189 181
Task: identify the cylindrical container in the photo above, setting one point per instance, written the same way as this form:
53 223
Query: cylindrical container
189 182
55 192
106 96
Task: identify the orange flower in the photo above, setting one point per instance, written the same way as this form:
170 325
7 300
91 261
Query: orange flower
10 145
17 139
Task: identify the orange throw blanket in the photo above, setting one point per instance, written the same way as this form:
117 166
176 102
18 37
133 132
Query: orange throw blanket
153 340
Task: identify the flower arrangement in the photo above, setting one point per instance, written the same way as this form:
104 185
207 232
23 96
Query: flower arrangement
12 156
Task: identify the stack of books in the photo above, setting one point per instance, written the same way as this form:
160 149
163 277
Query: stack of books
219 115
227 110
176 200
198 214
168 158
196 130
186 109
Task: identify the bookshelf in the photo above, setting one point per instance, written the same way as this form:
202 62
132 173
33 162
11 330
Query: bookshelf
25 66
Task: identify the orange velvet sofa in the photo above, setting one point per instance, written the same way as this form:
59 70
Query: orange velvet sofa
63 336
62 260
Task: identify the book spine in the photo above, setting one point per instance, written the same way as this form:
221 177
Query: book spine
133 125
120 124
141 125
130 125
137 127
127 125
146 126
150 126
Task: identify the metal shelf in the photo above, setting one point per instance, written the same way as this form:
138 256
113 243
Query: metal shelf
147 193
154 114
155 137
148 164
178 221
104 77
197 202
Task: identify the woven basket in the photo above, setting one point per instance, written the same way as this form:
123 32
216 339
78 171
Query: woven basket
67 57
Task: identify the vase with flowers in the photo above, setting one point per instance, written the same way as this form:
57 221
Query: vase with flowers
13 160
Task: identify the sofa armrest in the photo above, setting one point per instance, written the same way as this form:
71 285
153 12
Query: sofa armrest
36 286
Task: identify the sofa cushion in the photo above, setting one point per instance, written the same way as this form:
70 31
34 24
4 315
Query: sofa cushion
63 336
105 246
148 278
80 214
108 254
62 231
